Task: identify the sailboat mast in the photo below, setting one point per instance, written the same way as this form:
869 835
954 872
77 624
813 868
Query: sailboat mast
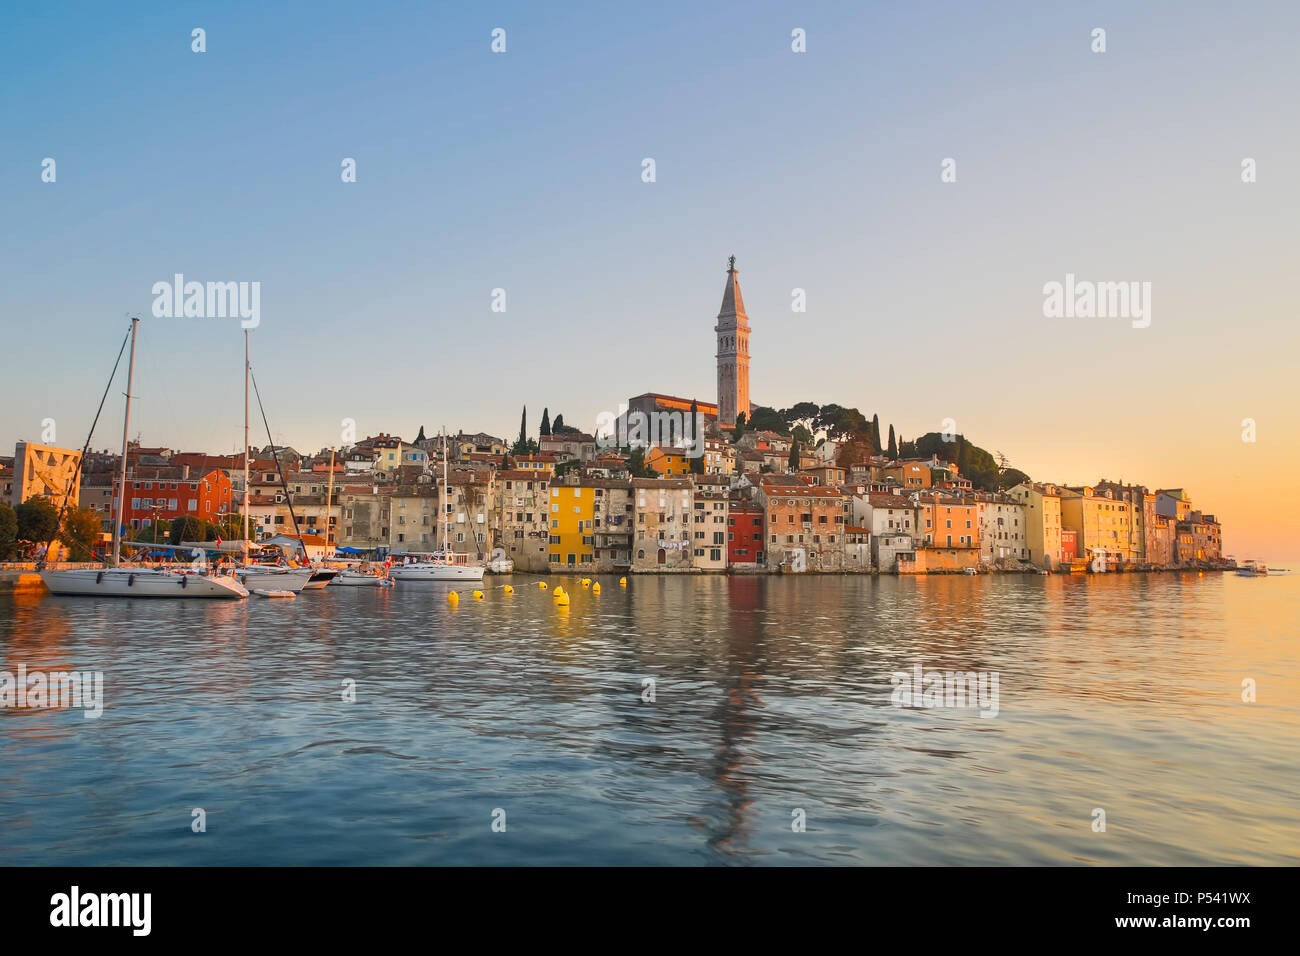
126 431
442 519
245 444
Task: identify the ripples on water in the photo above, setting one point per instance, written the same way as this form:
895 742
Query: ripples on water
1119 692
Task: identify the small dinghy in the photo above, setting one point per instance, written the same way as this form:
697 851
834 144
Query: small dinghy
269 593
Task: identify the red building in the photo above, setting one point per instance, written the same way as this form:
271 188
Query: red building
1069 545
164 499
744 534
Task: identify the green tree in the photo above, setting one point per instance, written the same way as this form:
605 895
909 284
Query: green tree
1012 477
231 527
696 450
768 419
801 434
80 534
839 422
636 464
521 445
186 528
741 424
545 428
875 431
801 413
8 532
893 445
559 428
38 520
793 461
159 531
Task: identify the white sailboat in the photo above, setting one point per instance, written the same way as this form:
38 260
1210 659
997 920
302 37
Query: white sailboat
117 581
442 566
274 576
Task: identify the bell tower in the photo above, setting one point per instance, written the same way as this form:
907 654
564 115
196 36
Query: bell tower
733 351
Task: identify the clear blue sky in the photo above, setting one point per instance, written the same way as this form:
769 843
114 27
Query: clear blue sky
522 171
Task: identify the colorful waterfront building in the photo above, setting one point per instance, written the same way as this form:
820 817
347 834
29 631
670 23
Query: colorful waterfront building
1102 524
572 516
709 524
745 534
805 525
665 514
1042 505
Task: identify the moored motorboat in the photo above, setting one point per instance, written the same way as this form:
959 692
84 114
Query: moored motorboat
1252 569
500 563
271 577
361 579
320 577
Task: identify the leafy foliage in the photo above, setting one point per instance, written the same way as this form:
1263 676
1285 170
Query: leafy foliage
37 519
8 532
81 533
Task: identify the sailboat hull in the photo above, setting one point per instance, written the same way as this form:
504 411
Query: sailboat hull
140 583
320 577
437 572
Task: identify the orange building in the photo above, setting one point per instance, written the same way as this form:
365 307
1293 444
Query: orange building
148 500
670 464
909 474
949 522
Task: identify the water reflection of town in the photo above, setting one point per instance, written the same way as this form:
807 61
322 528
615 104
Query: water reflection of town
765 685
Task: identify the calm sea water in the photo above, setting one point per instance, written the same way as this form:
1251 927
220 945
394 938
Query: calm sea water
771 695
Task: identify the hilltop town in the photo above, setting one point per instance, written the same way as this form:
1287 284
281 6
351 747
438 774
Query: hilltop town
730 486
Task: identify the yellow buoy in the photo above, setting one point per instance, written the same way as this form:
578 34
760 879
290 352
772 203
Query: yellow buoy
586 582
453 597
478 595
542 585
622 582
595 589
509 589
561 599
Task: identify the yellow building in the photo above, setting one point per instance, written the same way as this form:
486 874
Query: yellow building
1100 522
1043 522
572 516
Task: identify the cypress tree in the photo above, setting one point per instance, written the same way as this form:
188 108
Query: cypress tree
523 427
546 422
893 445
875 433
